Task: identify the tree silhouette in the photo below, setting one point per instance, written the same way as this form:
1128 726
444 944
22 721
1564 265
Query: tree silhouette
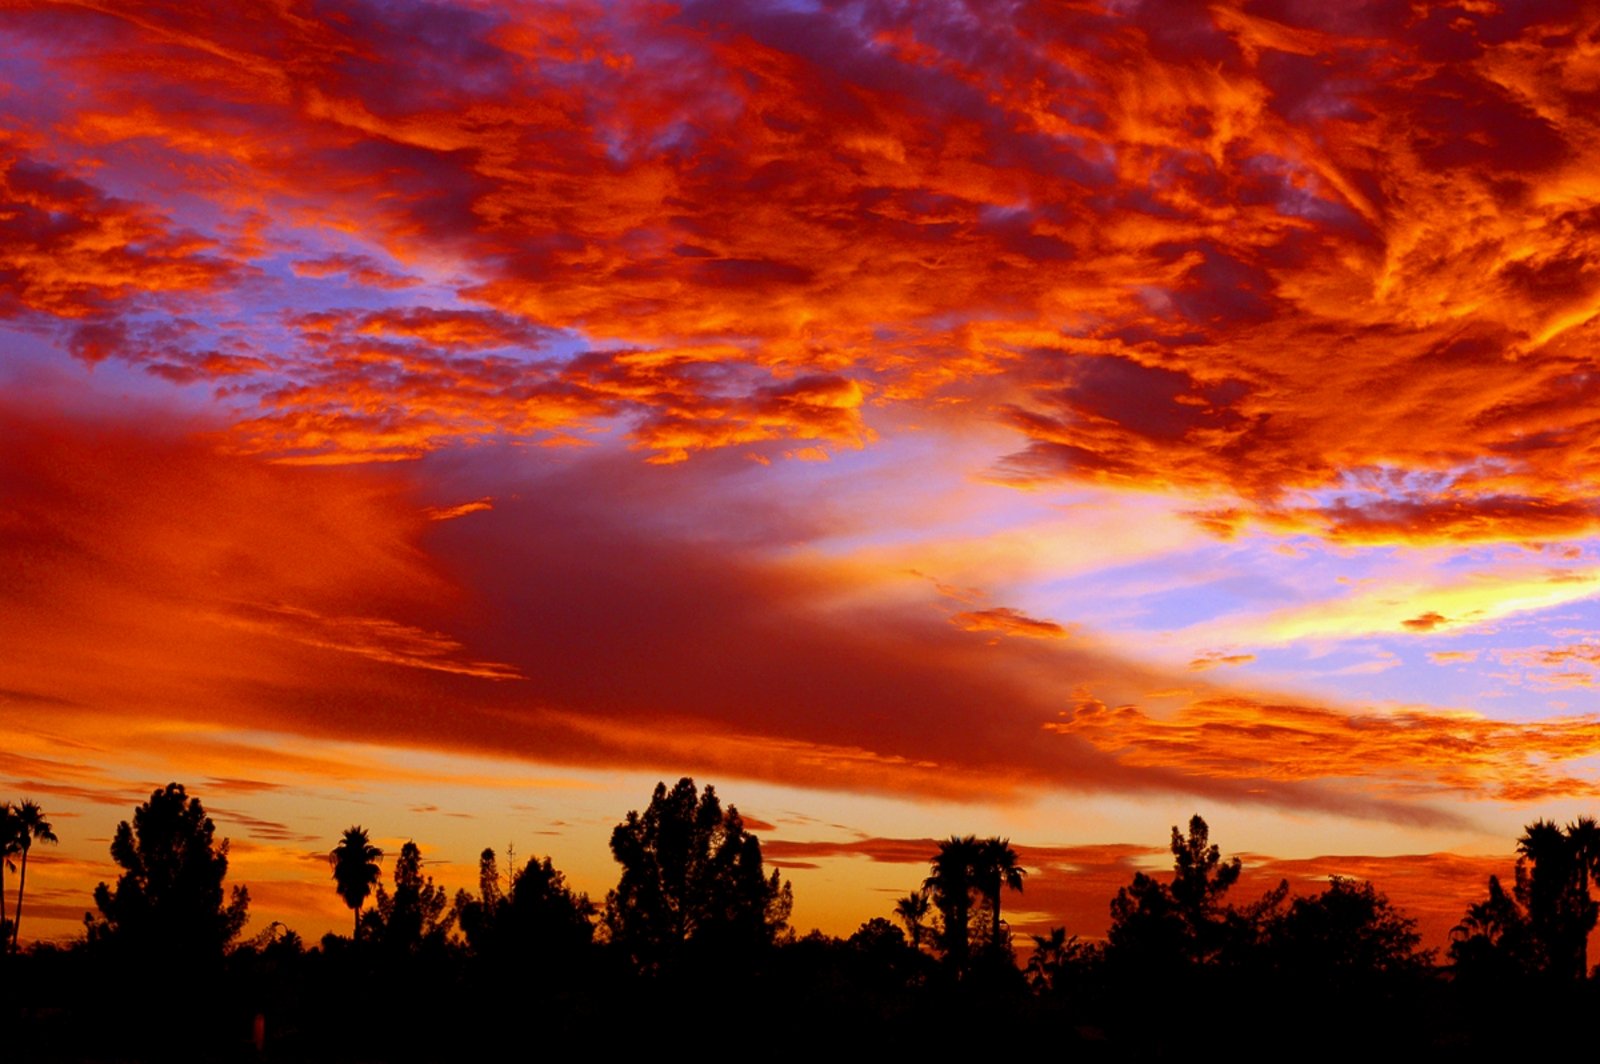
692 881
1156 924
1553 888
415 916
1543 925
1347 932
10 844
1200 878
31 827
476 916
169 899
952 880
913 912
355 870
538 916
1492 941
1054 958
878 937
997 868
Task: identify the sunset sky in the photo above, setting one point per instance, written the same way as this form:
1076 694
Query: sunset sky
1047 420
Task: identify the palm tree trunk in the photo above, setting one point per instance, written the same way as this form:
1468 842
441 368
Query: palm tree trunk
994 937
16 921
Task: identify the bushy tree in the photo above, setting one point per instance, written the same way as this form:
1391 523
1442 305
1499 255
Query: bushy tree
417 915
477 916
1349 932
879 957
1158 926
537 915
878 935
692 883
169 901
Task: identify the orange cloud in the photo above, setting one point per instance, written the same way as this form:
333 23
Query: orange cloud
1565 665
1445 657
69 250
361 269
1406 752
371 637
1214 658
1008 621
1106 224
450 513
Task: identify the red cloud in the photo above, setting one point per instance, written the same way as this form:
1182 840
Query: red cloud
69 250
1109 225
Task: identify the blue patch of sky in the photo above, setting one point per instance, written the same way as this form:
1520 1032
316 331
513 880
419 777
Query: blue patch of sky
615 140
254 317
1487 684
796 7
671 136
1098 160
1205 600
1209 581
1367 485
873 480
1299 192
1001 214
49 94
1400 668
35 358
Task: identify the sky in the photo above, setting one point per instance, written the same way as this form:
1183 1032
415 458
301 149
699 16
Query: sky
1045 420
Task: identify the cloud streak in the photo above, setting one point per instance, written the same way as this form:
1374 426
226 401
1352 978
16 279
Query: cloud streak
1402 752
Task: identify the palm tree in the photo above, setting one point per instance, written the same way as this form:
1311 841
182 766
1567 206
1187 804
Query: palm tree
355 870
951 882
913 909
1553 889
1583 837
31 827
1492 939
996 869
9 846
1053 958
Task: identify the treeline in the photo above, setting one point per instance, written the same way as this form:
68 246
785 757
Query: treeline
693 948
